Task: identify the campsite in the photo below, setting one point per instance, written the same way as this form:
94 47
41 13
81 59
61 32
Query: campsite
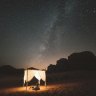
65 78
77 83
47 47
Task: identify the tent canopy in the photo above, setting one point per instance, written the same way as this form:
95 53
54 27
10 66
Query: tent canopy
29 74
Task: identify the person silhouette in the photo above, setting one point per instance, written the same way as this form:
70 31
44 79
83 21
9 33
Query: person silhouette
37 87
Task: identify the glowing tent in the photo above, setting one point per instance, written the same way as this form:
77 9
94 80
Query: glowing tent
39 74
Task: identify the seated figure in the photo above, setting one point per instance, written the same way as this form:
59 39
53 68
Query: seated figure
37 87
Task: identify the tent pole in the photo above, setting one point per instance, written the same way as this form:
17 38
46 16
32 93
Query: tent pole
27 79
39 82
45 78
45 84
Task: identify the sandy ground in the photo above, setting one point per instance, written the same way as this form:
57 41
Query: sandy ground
42 88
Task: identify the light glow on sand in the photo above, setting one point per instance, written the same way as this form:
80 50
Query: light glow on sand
50 88
23 89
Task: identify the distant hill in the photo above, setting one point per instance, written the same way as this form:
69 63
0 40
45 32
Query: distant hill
7 67
76 61
82 61
9 70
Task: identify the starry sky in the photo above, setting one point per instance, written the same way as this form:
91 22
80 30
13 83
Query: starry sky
36 33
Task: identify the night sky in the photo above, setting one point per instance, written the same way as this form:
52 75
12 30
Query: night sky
36 33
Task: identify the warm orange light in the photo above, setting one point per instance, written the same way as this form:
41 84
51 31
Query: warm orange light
23 89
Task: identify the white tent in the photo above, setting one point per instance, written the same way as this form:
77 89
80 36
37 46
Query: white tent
39 74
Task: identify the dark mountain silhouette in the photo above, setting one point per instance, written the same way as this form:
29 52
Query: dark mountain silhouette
62 64
82 61
9 70
76 61
7 67
51 68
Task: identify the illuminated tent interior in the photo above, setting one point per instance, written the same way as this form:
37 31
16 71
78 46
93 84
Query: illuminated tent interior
39 74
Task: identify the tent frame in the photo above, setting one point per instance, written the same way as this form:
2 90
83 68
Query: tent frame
39 81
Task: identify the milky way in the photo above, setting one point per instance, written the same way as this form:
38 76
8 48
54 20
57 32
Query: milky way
38 32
